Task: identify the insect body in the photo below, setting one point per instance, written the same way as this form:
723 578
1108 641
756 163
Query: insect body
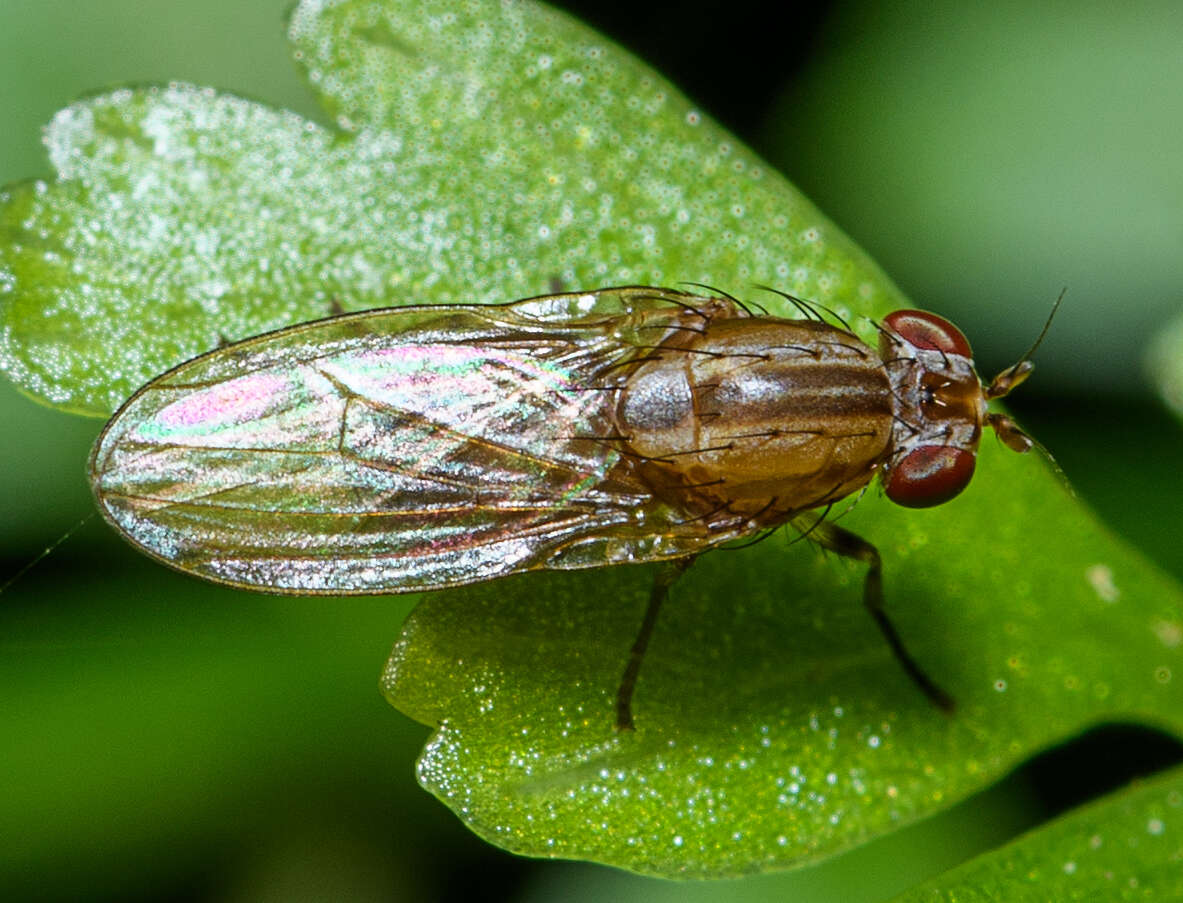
422 447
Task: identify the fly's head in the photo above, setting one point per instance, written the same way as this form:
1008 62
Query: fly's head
940 408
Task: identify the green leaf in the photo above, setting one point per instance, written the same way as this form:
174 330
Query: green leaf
774 726
490 151
1125 847
480 153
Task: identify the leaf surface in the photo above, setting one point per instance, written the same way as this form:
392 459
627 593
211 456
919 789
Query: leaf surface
484 153
1125 847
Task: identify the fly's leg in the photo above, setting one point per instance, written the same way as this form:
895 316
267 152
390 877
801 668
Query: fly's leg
669 573
848 545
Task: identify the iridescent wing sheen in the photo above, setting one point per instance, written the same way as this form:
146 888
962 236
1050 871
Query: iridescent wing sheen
398 450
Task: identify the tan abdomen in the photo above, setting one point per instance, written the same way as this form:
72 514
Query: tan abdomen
770 416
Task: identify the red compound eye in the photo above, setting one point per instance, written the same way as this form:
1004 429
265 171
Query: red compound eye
929 475
921 329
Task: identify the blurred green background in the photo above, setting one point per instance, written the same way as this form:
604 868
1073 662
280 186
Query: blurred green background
162 738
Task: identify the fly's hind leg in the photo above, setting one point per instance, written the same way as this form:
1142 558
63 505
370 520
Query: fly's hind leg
849 545
670 571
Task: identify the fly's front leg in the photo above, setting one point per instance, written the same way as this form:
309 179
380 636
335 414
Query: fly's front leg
849 545
670 572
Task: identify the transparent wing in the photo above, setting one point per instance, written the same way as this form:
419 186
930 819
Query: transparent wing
397 450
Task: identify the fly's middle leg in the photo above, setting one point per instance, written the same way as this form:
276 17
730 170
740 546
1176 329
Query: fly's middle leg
666 576
849 545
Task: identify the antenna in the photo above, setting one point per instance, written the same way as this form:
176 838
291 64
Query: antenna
1005 381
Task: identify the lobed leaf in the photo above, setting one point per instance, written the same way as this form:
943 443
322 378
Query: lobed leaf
483 153
1125 847
773 725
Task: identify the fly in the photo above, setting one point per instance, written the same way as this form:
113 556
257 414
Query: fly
422 447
